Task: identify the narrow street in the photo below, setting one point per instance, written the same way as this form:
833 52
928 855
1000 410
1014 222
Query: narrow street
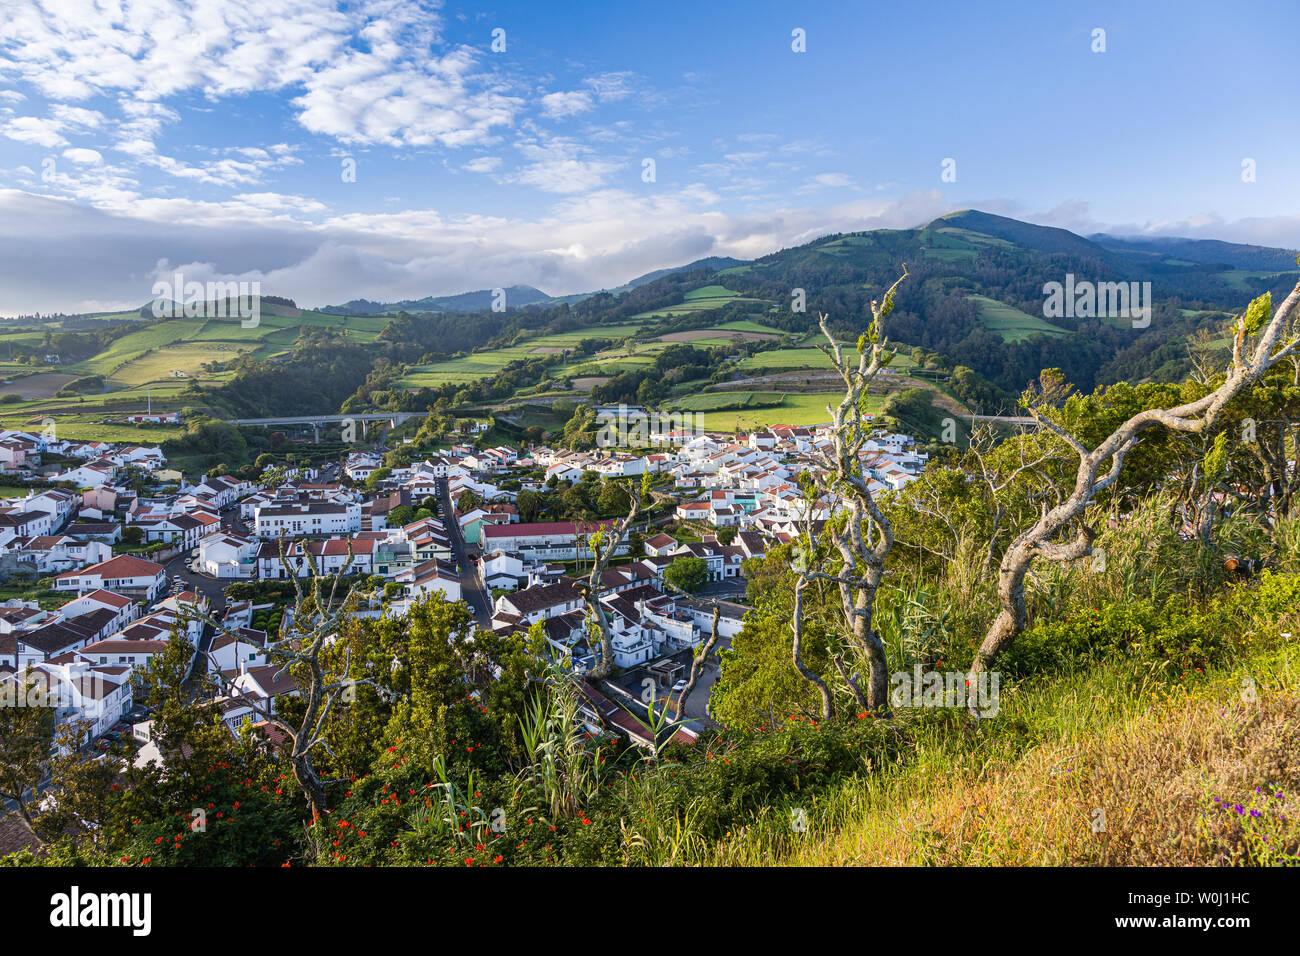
479 601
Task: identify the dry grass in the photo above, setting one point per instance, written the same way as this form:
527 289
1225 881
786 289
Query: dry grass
1207 780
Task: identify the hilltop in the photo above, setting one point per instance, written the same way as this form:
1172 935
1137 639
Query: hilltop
969 321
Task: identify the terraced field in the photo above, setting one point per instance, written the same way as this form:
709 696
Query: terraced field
154 363
177 349
784 360
720 401
701 300
1012 324
477 365
807 408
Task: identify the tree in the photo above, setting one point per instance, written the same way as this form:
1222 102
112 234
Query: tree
26 741
529 504
604 542
688 573
758 685
1197 416
81 789
401 515
612 499
320 614
860 532
577 502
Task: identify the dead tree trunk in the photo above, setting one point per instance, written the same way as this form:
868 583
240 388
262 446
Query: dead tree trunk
796 625
698 661
604 544
839 477
1195 417
319 617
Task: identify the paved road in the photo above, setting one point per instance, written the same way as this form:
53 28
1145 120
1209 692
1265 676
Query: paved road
699 698
727 588
479 601
632 687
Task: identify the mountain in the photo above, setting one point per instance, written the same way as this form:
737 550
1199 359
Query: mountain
1203 251
1050 239
715 263
975 292
516 295
477 301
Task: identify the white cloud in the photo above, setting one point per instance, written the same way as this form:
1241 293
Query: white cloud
35 130
483 164
557 165
567 103
368 71
827 181
83 157
585 241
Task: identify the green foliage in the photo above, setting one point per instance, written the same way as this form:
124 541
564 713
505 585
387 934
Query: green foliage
1216 461
207 442
1258 313
688 573
1175 637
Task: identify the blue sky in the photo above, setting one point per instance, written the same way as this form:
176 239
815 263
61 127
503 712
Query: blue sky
138 138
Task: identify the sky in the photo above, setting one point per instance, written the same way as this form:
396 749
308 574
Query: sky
387 150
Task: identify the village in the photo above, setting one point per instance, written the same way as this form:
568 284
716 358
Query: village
144 555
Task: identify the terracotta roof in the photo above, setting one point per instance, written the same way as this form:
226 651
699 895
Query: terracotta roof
122 566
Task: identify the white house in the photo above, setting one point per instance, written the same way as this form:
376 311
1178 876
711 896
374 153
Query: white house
307 518
124 573
239 649
228 555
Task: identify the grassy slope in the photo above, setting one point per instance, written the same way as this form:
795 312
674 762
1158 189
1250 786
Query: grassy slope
139 368
1123 770
807 408
1012 324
